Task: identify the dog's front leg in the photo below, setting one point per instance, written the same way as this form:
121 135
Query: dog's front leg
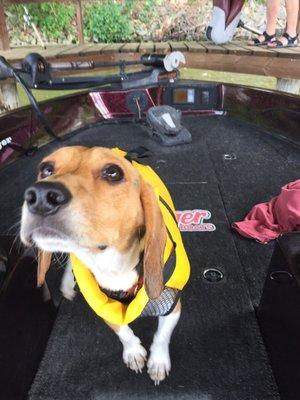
159 363
134 354
68 283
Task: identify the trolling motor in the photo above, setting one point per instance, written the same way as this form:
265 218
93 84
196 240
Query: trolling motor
36 73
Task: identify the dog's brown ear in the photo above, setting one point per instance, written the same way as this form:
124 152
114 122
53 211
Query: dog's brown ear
44 261
155 240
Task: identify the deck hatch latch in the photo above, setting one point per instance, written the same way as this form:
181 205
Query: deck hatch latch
213 275
230 156
282 276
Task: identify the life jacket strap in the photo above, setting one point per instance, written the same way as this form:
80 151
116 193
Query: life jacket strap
137 153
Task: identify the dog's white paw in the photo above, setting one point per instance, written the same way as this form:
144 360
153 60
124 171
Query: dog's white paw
68 293
135 357
68 283
159 364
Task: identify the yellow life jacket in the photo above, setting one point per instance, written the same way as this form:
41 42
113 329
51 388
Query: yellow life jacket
176 264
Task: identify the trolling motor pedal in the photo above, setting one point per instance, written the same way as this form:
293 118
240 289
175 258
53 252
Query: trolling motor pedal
165 125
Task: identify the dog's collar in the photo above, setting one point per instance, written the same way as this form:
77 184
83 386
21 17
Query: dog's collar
126 296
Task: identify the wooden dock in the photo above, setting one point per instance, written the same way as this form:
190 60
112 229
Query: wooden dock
236 56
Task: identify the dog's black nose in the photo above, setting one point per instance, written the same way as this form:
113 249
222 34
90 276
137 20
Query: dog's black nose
45 198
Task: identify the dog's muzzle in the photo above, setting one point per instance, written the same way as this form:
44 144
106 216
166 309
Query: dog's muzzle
46 198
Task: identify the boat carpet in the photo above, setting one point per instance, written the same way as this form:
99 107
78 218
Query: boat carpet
217 351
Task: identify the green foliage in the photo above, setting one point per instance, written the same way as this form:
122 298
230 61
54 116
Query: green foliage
115 20
107 22
53 19
149 10
142 10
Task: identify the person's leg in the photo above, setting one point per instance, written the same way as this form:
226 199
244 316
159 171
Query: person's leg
272 14
292 9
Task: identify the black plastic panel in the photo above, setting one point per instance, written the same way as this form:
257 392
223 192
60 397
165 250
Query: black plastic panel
205 96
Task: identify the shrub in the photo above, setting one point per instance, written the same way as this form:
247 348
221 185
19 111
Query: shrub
53 19
107 23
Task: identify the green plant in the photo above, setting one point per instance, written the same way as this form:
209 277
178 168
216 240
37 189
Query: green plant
53 19
107 23
143 10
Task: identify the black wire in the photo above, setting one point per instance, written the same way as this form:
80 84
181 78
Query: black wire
41 117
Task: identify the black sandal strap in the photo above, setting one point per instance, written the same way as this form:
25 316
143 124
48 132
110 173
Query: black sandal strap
268 37
290 39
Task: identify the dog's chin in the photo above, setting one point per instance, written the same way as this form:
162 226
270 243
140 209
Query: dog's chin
51 234
51 240
46 234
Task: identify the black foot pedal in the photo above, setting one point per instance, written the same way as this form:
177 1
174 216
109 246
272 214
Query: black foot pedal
165 125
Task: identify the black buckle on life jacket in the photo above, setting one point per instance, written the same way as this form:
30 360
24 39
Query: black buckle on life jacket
137 153
124 296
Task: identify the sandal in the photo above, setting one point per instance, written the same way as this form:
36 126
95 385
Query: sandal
291 42
267 39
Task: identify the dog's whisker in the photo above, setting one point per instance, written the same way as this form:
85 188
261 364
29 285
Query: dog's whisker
61 260
58 258
13 244
35 259
13 226
16 215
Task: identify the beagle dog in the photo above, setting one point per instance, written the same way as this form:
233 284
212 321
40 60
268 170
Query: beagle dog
91 202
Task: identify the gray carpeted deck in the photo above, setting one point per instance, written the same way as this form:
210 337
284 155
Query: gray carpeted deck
217 350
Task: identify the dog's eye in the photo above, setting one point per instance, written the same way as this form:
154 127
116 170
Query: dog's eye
112 173
46 170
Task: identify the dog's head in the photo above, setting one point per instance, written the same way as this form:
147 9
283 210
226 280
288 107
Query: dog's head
92 199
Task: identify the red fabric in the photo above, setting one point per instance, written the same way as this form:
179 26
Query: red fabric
266 221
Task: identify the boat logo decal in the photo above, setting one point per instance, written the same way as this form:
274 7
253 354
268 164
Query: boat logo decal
194 221
5 142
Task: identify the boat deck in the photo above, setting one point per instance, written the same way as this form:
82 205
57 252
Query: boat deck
217 350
